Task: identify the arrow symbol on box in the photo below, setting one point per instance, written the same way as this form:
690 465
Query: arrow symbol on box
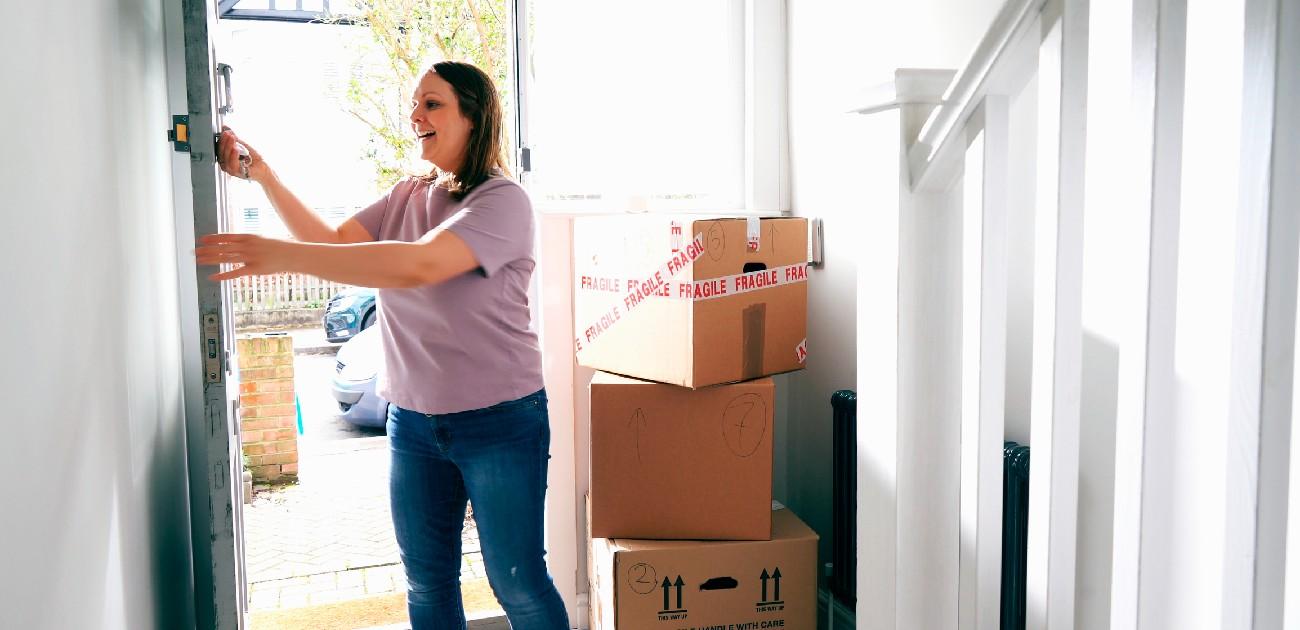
667 586
775 576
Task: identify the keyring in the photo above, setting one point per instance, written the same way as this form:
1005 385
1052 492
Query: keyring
244 159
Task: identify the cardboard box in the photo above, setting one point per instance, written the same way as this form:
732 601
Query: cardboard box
688 301
731 585
677 463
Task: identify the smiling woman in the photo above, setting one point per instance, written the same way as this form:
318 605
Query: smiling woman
446 102
452 256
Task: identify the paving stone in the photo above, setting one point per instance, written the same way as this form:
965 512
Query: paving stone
290 581
295 590
324 597
324 579
351 593
293 601
379 587
347 579
330 536
264 600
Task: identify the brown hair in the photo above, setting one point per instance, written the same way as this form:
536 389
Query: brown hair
477 98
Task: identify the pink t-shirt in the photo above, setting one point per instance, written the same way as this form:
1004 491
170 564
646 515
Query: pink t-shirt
466 343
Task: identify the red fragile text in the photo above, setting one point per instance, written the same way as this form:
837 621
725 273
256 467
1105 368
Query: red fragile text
607 319
704 289
756 280
591 283
637 290
682 259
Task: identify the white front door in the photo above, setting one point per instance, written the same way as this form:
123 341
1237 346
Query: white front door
211 379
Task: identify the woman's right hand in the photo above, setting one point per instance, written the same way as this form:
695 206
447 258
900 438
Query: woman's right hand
228 151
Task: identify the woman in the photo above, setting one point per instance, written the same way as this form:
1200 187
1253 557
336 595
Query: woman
451 254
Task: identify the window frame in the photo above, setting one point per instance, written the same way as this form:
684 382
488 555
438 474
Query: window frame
766 182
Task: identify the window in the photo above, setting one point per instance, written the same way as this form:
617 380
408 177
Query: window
279 10
251 222
638 105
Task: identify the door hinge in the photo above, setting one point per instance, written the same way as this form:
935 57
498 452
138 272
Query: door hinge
179 134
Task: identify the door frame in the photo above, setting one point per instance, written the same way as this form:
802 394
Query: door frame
209 386
216 515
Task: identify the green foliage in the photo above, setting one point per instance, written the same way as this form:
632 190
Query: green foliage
406 37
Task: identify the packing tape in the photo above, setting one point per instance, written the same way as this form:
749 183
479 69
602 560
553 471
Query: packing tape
640 290
741 283
708 289
656 285
752 233
801 350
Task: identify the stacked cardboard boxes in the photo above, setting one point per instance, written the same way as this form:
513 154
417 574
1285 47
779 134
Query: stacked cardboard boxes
687 319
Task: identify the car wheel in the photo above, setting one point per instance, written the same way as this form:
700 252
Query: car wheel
369 320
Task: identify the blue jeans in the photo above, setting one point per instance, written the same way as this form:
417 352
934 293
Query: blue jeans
495 457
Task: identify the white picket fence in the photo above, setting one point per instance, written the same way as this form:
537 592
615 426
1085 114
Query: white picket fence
282 291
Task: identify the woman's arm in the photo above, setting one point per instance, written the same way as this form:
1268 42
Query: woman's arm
437 257
303 222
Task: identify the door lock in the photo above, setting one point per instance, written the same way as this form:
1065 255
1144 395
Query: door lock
179 134
212 348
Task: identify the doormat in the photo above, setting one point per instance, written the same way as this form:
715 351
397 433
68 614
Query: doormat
365 612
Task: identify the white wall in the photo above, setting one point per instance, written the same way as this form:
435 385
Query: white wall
95 532
837 48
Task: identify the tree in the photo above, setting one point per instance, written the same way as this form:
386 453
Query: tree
406 36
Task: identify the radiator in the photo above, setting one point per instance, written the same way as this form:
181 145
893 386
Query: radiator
1015 528
844 510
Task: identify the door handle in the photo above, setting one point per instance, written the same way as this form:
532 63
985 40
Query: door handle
228 104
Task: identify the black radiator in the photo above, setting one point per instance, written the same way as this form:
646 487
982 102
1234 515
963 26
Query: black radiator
1015 533
844 510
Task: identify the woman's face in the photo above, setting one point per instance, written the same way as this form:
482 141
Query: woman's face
440 128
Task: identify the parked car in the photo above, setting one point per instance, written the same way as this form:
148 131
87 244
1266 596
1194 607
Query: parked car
354 380
348 313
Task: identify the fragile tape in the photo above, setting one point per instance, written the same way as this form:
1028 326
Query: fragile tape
635 291
742 282
639 290
698 290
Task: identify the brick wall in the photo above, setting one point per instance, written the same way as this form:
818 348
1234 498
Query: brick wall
267 414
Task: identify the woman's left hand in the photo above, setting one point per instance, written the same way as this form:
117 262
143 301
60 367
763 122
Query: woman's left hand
254 255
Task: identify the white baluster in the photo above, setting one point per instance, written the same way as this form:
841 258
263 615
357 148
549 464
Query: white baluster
1057 331
984 317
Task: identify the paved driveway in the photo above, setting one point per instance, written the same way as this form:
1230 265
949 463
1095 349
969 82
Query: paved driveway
330 536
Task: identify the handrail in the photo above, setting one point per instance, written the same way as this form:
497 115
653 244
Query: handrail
963 95
910 86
